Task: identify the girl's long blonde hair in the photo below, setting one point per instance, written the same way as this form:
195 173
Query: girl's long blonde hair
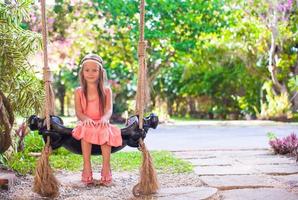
102 80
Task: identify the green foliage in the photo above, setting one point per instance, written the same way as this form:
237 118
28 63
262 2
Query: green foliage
163 161
33 142
293 83
63 159
3 159
22 162
13 12
271 136
166 162
284 58
111 29
275 106
196 50
17 79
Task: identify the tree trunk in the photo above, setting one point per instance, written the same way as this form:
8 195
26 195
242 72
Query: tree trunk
295 94
192 106
68 102
61 96
6 122
273 57
170 106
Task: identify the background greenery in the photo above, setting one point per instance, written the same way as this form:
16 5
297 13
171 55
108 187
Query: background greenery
217 59
206 59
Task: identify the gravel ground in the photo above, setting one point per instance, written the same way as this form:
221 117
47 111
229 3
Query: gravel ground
72 189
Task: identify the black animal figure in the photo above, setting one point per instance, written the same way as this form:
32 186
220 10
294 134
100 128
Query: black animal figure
61 135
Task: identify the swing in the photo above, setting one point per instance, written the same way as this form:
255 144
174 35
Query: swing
60 136
56 135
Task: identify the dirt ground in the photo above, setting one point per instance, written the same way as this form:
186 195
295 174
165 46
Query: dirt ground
72 189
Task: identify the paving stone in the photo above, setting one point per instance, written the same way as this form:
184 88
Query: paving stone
212 162
190 157
272 160
224 170
236 152
277 169
231 155
290 180
195 154
259 194
238 181
187 193
249 153
246 174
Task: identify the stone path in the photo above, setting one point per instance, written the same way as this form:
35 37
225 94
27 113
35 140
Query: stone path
245 173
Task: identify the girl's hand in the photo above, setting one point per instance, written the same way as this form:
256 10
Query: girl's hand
88 122
103 122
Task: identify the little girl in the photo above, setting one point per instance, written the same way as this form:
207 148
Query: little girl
93 106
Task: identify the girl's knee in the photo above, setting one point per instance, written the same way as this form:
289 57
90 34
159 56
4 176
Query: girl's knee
105 145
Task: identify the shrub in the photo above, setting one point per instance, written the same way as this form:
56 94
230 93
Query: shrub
285 145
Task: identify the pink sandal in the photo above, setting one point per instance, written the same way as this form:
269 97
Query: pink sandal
87 178
106 180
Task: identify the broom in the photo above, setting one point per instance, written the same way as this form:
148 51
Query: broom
148 183
45 183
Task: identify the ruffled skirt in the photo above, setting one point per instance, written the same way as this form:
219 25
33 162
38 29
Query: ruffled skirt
110 135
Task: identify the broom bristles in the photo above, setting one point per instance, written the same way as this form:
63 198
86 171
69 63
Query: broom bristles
45 183
148 178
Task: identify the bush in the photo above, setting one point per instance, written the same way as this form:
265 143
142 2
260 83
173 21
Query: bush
276 107
33 142
286 145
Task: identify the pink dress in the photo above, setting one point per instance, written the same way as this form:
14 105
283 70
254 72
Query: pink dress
92 134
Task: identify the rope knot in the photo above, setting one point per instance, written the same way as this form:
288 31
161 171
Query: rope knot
142 48
47 75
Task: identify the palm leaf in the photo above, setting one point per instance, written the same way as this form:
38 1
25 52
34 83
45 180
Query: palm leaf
17 77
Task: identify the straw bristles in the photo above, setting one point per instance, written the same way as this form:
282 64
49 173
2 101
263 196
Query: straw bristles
148 178
45 183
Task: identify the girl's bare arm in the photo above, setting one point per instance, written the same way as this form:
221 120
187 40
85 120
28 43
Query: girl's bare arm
109 105
78 107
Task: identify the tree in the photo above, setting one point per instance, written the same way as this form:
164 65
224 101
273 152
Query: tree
279 19
21 92
172 29
196 49
247 41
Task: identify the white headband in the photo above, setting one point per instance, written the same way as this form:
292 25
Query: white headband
94 61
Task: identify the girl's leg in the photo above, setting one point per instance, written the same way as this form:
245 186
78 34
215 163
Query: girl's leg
87 170
106 167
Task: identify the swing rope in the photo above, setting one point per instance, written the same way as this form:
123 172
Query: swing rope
148 183
45 183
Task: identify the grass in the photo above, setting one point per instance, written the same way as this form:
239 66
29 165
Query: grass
24 163
164 161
